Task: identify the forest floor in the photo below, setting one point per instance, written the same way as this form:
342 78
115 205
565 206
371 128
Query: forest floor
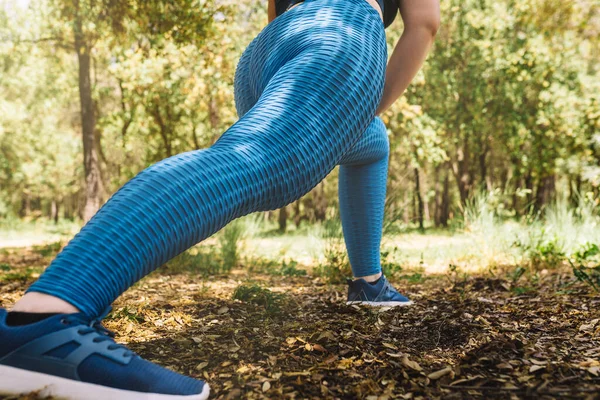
475 336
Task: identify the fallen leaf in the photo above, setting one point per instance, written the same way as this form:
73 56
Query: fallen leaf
318 347
202 365
266 386
411 364
589 327
438 374
534 368
537 362
223 310
290 340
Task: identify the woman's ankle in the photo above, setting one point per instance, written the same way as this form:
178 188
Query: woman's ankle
35 302
370 278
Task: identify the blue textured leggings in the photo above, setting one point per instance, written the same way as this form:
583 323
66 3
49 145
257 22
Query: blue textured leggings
313 79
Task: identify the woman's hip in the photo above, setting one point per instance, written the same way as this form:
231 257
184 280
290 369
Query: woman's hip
343 37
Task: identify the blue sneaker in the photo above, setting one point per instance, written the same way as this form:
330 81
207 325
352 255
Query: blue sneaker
381 294
69 356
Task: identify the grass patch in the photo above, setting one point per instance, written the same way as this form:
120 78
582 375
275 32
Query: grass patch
126 313
586 265
48 250
272 267
9 275
257 295
207 260
336 267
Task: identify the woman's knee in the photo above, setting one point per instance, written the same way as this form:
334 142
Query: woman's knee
373 146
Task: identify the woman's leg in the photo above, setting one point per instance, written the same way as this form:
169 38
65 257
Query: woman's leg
319 70
362 187
362 184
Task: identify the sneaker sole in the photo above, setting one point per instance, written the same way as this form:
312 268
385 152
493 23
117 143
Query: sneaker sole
381 303
16 381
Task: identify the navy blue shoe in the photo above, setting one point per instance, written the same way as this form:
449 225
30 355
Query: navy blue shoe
381 294
69 356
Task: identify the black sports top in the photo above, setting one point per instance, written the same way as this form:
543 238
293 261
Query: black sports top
389 8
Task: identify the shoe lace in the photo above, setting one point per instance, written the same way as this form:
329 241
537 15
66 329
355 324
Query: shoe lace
94 325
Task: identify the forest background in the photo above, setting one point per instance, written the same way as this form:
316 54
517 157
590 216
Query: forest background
495 147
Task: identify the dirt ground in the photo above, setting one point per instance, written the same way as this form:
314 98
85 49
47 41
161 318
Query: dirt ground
465 337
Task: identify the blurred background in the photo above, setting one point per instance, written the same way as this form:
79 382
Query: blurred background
495 146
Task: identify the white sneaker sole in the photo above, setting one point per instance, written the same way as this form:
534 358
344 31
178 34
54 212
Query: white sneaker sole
381 303
15 381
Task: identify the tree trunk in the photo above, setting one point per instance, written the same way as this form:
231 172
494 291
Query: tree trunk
462 178
445 208
545 191
483 170
93 182
25 206
419 199
283 215
164 130
320 202
423 183
437 204
54 206
529 186
297 216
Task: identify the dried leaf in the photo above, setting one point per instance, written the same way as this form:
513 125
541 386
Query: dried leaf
202 365
291 340
266 386
534 368
411 364
438 374
318 347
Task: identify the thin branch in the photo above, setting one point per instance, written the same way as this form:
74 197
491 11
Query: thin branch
501 389
60 42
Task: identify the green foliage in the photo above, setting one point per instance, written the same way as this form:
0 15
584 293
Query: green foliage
201 261
259 296
289 269
283 267
586 265
541 252
49 249
209 260
126 313
229 240
516 274
415 277
17 275
389 264
336 267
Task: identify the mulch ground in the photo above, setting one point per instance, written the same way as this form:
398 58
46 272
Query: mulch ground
473 337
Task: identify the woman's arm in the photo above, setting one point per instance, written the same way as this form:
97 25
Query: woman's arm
271 10
421 21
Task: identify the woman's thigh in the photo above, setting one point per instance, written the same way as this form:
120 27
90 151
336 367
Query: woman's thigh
308 87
